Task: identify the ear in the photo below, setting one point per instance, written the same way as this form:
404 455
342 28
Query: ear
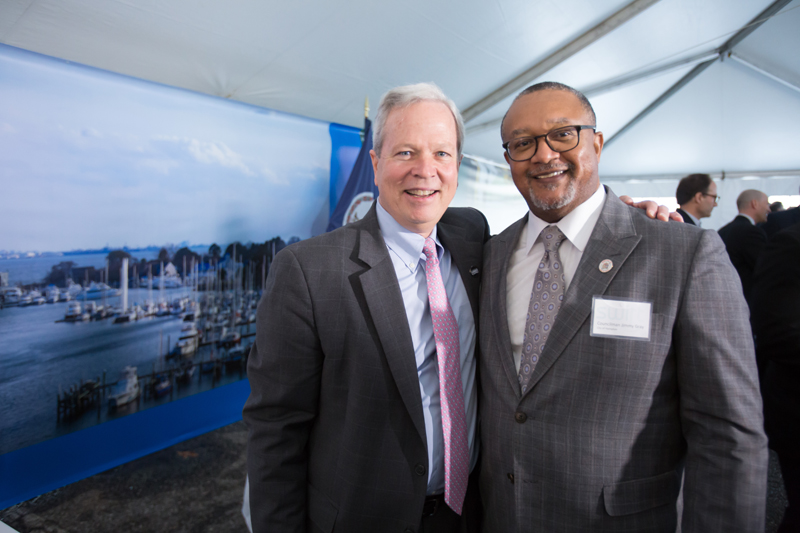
598 143
508 160
374 158
698 197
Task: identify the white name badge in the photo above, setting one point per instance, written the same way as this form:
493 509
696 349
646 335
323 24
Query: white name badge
621 319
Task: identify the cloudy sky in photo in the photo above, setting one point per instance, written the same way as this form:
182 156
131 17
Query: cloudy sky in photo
89 158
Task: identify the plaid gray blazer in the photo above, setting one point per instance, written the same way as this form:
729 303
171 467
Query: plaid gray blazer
336 428
601 439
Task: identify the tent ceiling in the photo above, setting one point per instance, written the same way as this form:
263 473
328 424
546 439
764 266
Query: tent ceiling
319 59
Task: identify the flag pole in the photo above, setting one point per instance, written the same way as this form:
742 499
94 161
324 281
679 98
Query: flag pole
366 118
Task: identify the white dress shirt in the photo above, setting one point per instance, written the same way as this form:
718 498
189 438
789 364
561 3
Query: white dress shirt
405 250
577 226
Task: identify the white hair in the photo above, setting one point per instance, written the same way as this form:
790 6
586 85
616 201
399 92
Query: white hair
411 94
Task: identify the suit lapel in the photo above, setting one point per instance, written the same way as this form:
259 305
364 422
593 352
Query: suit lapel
467 256
614 237
498 266
381 292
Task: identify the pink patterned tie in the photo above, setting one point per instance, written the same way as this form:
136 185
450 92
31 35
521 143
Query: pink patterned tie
454 419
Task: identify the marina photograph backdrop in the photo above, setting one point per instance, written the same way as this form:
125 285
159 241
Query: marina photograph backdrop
138 225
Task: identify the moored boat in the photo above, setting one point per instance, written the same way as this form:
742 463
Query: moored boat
74 312
53 294
162 385
126 390
11 295
184 375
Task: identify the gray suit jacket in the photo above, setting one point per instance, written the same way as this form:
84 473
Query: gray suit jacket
336 428
599 441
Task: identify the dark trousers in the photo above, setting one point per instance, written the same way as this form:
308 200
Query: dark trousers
781 392
445 520
790 470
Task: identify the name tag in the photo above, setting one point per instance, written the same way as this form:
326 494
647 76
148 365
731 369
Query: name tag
621 319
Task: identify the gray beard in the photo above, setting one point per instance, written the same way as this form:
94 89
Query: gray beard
558 203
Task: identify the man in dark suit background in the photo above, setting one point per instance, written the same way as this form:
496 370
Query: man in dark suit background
346 415
697 197
616 354
780 220
776 323
743 238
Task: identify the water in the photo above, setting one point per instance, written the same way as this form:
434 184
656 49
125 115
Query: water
39 354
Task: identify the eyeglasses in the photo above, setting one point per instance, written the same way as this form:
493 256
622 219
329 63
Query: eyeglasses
714 196
560 140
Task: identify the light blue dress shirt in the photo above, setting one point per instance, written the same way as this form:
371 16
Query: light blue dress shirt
405 250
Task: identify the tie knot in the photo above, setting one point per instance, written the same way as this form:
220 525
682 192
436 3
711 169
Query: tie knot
552 237
430 249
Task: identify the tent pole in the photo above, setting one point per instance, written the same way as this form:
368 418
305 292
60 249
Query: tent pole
763 72
557 57
631 77
726 47
753 25
614 83
661 99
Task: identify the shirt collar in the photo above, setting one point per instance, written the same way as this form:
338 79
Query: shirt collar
695 220
576 226
406 244
748 217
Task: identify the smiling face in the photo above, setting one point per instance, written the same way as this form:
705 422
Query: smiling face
417 171
553 183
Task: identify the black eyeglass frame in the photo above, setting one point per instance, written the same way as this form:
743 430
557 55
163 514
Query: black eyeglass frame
535 139
714 196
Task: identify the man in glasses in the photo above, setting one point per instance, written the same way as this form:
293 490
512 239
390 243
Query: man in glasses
363 413
697 197
616 355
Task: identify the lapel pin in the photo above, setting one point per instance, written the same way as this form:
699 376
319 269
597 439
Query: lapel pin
474 271
605 265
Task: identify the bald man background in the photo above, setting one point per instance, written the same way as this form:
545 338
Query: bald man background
743 239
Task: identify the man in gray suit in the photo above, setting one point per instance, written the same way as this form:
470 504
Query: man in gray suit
616 354
350 428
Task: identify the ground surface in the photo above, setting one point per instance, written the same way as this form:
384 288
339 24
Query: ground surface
192 487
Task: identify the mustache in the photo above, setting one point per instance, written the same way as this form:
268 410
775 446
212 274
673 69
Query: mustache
539 169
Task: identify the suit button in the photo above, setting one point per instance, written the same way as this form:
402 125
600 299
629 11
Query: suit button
511 478
420 469
520 417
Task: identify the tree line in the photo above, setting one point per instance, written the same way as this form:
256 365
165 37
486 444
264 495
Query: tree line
254 257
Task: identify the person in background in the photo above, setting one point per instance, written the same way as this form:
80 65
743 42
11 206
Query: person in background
774 207
776 323
781 220
743 239
616 361
697 197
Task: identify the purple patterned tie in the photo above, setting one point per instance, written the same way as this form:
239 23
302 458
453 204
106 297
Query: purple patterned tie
546 298
451 395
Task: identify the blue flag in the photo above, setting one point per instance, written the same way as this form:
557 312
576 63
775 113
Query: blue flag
360 191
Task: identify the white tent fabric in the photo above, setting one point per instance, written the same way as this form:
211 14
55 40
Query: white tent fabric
319 59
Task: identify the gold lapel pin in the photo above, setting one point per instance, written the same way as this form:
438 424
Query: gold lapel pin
605 265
